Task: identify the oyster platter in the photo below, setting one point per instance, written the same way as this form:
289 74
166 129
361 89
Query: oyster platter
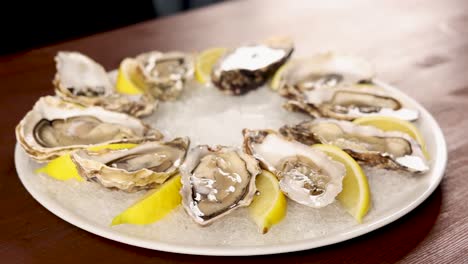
229 151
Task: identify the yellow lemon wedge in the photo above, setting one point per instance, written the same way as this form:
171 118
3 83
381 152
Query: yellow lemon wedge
269 206
63 168
155 205
355 196
276 79
130 78
204 63
394 124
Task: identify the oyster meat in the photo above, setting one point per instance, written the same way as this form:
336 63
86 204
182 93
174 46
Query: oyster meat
166 73
54 127
141 167
217 180
307 176
339 87
81 80
368 145
249 67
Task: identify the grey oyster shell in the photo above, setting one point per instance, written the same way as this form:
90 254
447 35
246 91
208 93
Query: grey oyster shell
248 67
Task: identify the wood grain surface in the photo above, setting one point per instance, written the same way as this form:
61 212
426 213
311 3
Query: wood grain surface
419 46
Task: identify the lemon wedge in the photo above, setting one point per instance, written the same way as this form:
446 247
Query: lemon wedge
355 196
269 206
155 205
63 168
130 78
394 124
276 79
204 63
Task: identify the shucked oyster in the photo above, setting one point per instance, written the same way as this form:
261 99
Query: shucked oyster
249 67
329 85
54 127
326 69
140 167
368 145
166 73
79 79
216 181
307 176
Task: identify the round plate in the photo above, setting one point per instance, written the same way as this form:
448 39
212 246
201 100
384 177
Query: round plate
73 204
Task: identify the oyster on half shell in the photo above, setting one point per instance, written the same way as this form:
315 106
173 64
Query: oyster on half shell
338 86
166 73
326 69
368 145
307 176
81 80
217 180
141 167
249 67
54 127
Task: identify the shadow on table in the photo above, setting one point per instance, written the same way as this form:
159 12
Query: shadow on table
387 244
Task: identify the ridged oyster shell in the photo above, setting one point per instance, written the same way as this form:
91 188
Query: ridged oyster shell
248 67
55 127
327 69
307 176
217 180
338 86
165 74
368 145
81 80
141 167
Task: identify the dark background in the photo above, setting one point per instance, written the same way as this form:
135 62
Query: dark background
32 24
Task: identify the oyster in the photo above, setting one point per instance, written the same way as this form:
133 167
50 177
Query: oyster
217 180
337 86
54 127
345 102
327 69
141 167
81 80
368 145
249 67
166 73
307 176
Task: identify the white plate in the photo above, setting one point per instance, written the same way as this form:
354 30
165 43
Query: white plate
76 210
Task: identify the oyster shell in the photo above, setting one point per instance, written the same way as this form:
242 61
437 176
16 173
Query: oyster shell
368 145
166 73
326 69
81 80
345 102
141 167
217 180
54 127
337 86
307 176
249 67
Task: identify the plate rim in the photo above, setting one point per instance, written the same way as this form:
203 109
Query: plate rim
438 170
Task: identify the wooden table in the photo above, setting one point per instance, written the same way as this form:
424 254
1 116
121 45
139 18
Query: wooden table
418 45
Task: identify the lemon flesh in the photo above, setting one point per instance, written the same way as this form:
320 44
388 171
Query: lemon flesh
269 206
394 124
276 79
154 206
204 63
355 196
130 78
63 168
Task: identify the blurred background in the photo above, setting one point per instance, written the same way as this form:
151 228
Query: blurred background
32 24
